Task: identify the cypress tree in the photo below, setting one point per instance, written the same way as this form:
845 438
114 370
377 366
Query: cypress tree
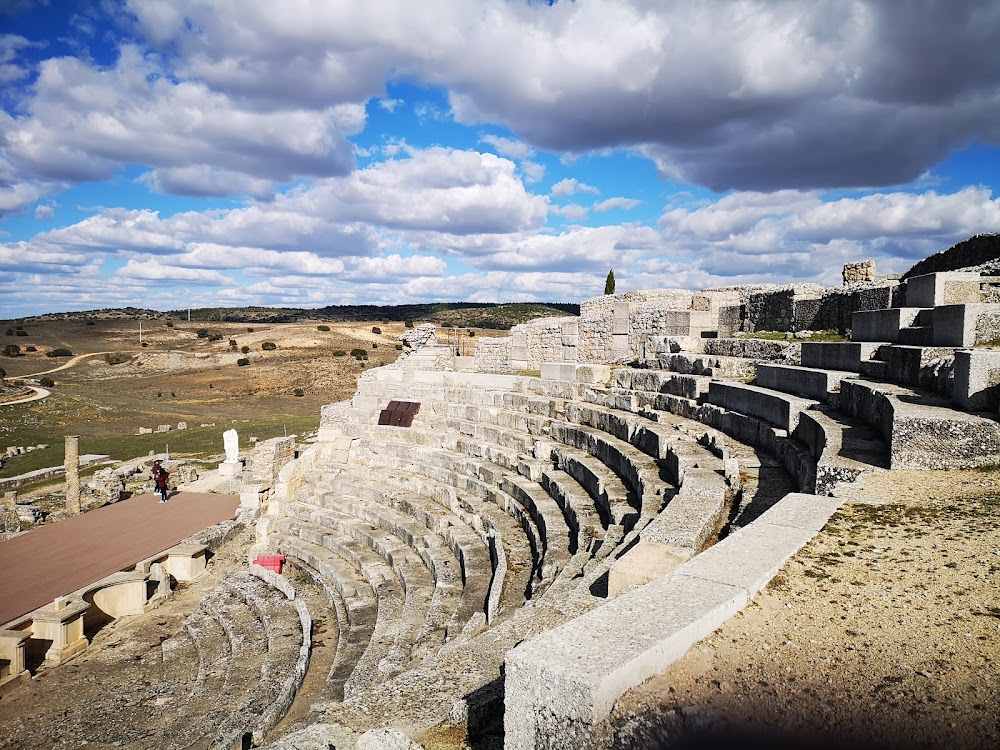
609 284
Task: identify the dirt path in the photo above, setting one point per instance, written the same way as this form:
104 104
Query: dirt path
69 363
883 632
39 394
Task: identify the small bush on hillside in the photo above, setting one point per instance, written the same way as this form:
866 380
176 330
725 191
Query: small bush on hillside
232 343
145 344
245 349
243 362
202 333
170 324
59 353
399 347
376 329
359 354
299 392
472 334
215 337
407 324
249 330
117 358
90 323
47 382
374 345
3 373
21 332
340 353
31 349
323 328
268 346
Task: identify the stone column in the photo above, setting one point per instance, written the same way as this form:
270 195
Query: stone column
72 465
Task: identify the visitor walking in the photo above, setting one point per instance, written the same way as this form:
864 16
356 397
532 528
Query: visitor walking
160 476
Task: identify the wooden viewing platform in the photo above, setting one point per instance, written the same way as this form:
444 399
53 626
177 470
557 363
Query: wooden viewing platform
60 558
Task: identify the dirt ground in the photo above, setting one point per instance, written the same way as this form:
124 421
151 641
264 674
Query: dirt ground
884 632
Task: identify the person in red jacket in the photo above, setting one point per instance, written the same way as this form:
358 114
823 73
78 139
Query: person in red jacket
160 476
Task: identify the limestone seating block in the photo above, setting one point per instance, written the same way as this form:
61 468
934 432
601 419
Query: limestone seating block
780 409
977 380
660 381
467 545
554 532
955 325
561 683
607 490
638 471
693 514
808 382
937 289
921 430
833 355
882 325
577 506
904 364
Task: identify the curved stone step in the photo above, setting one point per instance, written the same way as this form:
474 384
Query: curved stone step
418 582
779 409
604 486
388 652
396 495
359 603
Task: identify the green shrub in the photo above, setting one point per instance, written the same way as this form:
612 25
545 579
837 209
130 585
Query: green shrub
47 382
399 347
145 344
170 324
232 343
472 334
249 330
90 322
59 353
215 337
245 349
12 350
374 345
299 392
376 329
407 324
117 358
268 346
3 373
20 332
202 333
322 328
340 353
31 349
243 362
359 353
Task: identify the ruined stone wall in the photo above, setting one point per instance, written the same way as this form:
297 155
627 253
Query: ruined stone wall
543 340
613 327
492 354
809 307
268 458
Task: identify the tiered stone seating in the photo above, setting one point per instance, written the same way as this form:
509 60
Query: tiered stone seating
250 645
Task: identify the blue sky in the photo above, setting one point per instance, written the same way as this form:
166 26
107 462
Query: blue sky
176 153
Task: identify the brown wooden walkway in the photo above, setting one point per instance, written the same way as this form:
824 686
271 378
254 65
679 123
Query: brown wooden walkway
60 558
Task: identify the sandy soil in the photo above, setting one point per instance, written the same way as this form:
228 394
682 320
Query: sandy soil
883 632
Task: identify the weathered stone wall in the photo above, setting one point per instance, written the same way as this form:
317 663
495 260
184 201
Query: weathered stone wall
789 308
492 354
543 340
613 327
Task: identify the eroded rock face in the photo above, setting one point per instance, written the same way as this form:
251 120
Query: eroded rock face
859 271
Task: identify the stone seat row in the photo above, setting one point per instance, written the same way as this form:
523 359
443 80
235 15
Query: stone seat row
250 645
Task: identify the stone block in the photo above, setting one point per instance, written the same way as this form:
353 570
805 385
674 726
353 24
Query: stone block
882 325
802 381
145 430
164 428
977 379
832 355
937 289
779 409
182 425
955 325
565 371
858 271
